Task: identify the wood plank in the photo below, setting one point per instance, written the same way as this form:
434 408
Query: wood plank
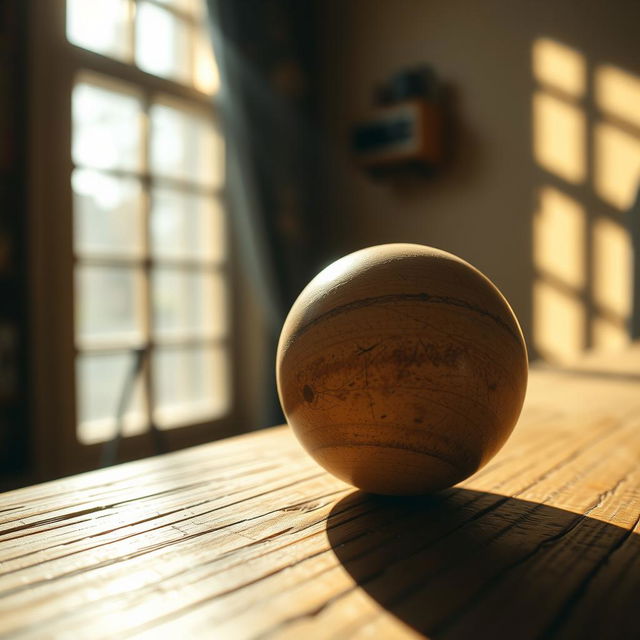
249 538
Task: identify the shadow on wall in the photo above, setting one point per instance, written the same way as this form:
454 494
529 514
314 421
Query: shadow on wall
586 145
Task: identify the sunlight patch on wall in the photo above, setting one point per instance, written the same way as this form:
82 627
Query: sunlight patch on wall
558 237
559 137
586 134
558 323
612 268
559 67
609 335
618 94
617 165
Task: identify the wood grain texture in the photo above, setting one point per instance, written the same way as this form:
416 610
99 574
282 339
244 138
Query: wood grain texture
249 538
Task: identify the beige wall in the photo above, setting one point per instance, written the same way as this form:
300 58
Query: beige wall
483 204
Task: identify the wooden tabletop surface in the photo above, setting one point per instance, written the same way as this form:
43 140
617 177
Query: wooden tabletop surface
249 538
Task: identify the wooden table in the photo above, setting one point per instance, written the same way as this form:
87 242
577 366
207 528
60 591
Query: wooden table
248 538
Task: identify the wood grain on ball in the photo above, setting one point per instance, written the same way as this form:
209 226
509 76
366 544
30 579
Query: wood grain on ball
401 369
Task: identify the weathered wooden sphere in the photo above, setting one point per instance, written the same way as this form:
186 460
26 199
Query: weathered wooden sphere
401 369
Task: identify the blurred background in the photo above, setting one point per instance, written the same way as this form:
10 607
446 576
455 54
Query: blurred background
173 172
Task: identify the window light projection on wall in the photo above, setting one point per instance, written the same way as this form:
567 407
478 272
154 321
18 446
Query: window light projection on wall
559 256
149 222
586 141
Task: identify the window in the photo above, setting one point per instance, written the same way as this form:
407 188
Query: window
149 240
140 238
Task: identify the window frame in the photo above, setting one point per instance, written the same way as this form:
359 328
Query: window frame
54 64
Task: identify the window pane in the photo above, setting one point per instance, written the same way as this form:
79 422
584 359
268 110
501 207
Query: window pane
108 303
103 26
107 132
164 43
205 73
188 303
193 7
191 383
185 146
107 213
101 379
186 225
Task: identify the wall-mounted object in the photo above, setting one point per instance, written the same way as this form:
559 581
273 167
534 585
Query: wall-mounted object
405 129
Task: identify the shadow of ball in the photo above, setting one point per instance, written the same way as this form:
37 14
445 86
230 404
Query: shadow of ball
401 369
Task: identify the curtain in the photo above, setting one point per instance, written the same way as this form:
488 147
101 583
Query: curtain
264 50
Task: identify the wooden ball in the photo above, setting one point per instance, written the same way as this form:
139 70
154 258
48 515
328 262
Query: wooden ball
401 369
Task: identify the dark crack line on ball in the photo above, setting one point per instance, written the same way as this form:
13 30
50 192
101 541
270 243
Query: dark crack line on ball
393 298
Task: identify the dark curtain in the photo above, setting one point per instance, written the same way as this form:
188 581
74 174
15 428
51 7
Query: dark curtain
14 356
264 50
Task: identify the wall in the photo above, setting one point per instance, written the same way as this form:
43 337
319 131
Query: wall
506 178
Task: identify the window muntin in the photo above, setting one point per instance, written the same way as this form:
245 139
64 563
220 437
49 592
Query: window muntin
149 234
